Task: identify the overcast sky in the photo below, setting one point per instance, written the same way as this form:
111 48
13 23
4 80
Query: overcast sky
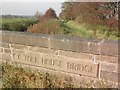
29 8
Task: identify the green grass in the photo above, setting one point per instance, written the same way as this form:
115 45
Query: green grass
11 20
86 31
16 24
78 30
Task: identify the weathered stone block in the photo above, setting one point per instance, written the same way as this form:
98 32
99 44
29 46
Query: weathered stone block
107 66
109 59
6 37
15 38
5 45
80 46
93 48
17 46
1 50
7 50
109 48
6 56
62 44
1 56
34 41
117 68
82 56
43 50
109 76
21 39
25 38
77 45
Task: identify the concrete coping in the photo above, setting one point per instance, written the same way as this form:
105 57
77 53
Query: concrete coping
62 42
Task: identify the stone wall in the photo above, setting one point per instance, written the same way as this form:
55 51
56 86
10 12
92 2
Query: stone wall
82 59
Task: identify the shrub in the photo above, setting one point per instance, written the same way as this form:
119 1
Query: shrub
17 24
17 77
5 26
51 26
14 76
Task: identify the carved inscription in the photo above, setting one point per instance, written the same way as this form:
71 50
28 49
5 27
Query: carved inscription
59 63
52 62
79 67
23 57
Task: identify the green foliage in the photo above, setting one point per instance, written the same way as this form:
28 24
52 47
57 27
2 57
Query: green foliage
104 32
17 24
65 27
5 26
77 30
90 31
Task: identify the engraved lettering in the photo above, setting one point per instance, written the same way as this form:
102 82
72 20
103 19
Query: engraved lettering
18 56
91 69
30 58
14 55
35 59
51 62
42 61
57 63
79 67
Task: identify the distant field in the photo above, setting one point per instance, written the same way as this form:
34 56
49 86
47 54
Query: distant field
11 20
16 24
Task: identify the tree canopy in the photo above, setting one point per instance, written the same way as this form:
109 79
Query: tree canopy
102 13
